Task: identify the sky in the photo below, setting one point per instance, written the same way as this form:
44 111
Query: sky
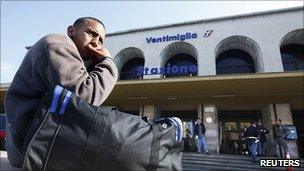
25 22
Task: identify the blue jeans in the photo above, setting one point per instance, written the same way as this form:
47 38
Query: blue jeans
262 148
201 143
252 149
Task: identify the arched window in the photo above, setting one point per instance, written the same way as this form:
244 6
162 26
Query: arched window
181 65
292 57
129 69
234 61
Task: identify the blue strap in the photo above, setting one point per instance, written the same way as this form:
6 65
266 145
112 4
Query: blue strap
57 91
65 102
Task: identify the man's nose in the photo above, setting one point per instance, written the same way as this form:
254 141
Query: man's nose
95 42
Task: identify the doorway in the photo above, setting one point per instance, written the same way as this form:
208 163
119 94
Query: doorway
187 118
232 125
299 122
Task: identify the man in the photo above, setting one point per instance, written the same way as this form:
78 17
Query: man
251 135
263 140
280 134
78 62
199 133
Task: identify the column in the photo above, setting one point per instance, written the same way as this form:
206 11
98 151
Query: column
281 111
210 119
150 111
268 119
284 113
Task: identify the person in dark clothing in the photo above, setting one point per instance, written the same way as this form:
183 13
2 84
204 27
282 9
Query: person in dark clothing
263 139
280 133
187 140
199 134
251 135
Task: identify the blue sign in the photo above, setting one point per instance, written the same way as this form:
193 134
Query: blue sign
166 70
169 38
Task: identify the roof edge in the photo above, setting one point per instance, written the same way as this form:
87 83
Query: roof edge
207 20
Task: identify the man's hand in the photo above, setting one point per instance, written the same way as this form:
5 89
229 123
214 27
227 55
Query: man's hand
98 53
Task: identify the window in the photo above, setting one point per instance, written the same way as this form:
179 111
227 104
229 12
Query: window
245 125
230 126
292 57
234 61
183 62
128 71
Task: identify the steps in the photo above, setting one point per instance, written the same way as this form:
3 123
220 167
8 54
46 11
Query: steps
221 162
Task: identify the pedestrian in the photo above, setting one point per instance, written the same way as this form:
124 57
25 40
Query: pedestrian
251 135
187 140
199 134
280 134
263 140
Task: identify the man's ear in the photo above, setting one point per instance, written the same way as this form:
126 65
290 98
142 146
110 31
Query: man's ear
71 31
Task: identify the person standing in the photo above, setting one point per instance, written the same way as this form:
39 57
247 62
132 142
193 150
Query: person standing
199 134
263 140
280 134
251 135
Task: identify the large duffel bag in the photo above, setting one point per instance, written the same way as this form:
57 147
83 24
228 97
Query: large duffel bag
70 134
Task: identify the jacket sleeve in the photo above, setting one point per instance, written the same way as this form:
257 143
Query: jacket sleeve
195 130
65 67
246 133
257 132
267 131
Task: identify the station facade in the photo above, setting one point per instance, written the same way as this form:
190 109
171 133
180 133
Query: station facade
228 71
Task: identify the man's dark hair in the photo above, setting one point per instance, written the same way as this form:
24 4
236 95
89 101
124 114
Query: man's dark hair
78 23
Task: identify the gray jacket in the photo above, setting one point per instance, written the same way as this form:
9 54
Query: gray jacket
53 60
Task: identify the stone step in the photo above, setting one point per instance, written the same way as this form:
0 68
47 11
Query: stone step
227 156
199 161
190 167
189 164
187 167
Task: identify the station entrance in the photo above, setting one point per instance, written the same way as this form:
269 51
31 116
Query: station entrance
187 118
299 123
232 125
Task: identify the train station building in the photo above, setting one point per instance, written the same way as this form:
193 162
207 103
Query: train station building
228 71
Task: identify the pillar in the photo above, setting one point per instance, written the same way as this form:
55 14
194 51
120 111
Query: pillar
281 111
150 111
210 120
284 113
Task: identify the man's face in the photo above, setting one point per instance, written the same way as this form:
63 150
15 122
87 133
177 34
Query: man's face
90 35
278 122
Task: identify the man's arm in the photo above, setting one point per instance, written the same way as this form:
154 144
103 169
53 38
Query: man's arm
266 130
195 130
246 133
65 67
